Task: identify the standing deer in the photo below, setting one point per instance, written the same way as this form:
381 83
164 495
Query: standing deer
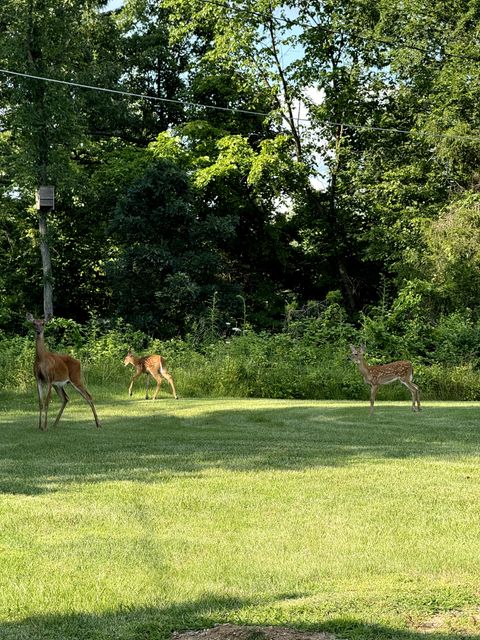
55 369
153 365
376 375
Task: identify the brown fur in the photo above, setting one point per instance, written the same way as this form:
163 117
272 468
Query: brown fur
153 365
377 375
55 370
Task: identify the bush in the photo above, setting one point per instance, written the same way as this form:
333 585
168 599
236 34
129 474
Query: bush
16 362
457 340
308 360
439 382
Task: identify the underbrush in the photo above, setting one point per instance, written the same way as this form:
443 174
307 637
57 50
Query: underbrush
309 360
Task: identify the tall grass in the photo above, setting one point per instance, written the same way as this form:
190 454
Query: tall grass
307 361
251 365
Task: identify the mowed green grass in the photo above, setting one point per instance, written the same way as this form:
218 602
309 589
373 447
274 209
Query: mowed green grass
185 514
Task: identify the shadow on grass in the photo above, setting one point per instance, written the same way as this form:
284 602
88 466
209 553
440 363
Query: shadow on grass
143 441
150 623
125 624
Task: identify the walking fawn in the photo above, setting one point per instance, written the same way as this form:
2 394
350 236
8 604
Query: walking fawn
376 375
55 369
153 365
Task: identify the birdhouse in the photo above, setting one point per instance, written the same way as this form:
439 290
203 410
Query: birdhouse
45 198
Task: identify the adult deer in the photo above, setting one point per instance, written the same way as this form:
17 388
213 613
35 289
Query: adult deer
377 375
55 370
154 366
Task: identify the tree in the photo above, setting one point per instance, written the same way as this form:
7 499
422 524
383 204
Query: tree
345 73
280 206
43 118
433 91
452 256
153 66
154 272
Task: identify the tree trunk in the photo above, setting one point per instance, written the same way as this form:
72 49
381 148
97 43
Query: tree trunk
46 265
41 142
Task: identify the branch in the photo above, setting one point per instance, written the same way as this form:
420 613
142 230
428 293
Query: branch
290 118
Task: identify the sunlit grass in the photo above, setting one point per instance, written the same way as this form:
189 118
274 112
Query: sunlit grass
183 514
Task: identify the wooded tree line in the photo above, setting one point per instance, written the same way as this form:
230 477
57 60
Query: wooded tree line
253 156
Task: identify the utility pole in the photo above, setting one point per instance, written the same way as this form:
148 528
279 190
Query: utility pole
45 202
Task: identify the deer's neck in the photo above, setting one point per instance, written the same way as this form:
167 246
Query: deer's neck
40 348
138 362
364 369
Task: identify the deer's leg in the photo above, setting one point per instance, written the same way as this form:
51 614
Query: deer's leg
62 394
417 389
45 405
416 396
146 387
135 376
158 379
373 395
84 393
414 390
169 379
40 404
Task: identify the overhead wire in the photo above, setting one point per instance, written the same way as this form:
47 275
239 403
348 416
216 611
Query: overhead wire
128 93
253 112
142 96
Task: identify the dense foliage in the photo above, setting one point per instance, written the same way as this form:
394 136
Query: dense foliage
251 160
307 359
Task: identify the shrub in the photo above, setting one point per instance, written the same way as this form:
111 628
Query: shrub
16 362
457 340
309 359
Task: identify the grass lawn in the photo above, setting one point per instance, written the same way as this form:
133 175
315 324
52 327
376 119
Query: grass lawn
184 514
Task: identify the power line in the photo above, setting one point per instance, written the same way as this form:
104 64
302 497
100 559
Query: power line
349 125
129 93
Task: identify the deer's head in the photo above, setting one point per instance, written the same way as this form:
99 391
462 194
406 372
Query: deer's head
38 324
129 358
357 354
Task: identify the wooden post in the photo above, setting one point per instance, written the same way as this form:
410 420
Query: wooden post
45 202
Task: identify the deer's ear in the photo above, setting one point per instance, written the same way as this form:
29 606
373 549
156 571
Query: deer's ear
363 348
29 317
352 349
48 317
